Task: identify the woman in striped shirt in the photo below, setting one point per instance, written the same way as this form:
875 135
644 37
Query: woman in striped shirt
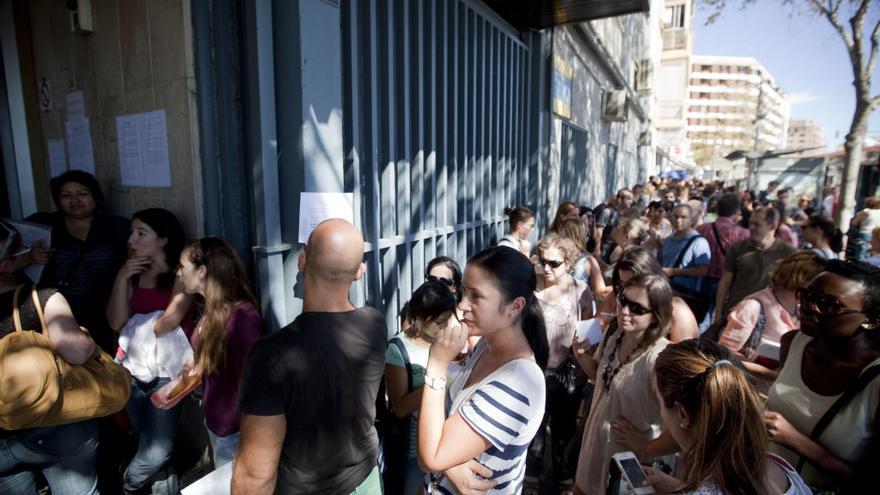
497 400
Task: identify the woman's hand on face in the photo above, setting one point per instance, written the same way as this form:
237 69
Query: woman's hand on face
450 340
628 435
661 482
133 266
781 431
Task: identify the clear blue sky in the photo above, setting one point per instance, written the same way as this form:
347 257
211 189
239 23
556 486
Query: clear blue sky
803 52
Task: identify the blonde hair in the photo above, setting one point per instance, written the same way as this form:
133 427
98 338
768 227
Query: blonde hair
730 439
634 229
796 270
574 230
566 246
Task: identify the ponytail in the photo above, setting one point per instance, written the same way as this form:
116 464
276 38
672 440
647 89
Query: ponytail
516 215
730 440
836 241
535 330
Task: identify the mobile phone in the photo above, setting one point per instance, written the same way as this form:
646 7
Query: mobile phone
627 476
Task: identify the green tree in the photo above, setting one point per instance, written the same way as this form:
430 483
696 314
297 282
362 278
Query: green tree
858 24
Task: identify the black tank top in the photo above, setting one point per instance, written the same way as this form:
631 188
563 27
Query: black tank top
30 320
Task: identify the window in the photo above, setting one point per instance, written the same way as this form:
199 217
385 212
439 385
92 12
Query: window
673 16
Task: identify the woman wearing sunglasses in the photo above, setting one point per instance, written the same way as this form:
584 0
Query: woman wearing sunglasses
839 339
445 270
624 405
638 261
564 301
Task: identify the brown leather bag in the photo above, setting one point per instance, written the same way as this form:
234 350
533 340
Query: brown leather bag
39 388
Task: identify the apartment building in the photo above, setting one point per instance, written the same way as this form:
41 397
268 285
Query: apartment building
669 111
805 134
734 103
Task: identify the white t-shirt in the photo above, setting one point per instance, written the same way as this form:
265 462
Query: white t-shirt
505 408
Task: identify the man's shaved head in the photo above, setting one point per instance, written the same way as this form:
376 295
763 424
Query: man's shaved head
334 252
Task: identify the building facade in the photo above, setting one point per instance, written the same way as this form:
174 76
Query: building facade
669 112
734 104
433 115
806 134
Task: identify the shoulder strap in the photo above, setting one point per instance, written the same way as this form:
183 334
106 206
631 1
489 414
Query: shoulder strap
718 239
402 348
687 245
16 313
854 388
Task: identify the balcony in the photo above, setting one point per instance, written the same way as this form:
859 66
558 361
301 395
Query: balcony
674 39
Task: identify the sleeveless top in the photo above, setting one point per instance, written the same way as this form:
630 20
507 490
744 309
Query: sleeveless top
849 433
560 318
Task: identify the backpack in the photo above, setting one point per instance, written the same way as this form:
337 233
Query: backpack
713 333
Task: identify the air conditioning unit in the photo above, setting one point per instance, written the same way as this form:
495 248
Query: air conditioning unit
81 21
615 105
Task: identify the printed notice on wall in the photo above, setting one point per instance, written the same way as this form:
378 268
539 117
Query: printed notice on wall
57 157
143 149
315 207
76 105
79 145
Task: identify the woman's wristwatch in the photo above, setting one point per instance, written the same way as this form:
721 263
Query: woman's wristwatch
436 382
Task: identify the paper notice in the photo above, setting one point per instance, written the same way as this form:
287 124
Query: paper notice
57 157
157 172
31 233
314 208
79 145
589 330
76 106
143 149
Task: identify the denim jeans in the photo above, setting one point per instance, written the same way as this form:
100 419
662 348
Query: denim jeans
65 454
155 427
222 448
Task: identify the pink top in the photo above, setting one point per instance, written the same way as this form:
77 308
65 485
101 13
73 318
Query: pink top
787 235
145 300
744 316
730 233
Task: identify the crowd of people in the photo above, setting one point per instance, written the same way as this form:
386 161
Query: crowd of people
724 339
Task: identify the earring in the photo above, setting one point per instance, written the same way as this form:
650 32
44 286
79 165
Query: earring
683 425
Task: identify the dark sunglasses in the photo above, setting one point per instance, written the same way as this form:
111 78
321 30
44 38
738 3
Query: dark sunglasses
634 307
448 282
821 304
551 263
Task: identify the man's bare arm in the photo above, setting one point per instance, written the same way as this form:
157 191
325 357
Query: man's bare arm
259 450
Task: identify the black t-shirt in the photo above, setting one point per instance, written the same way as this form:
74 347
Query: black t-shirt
323 372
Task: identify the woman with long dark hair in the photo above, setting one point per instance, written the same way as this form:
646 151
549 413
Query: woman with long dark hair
825 239
497 401
145 284
231 324
711 409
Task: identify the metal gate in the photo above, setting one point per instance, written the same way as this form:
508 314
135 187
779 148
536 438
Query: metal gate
436 112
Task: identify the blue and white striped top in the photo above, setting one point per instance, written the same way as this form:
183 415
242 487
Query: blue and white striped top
506 409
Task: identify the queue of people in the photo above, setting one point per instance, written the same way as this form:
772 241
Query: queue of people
720 342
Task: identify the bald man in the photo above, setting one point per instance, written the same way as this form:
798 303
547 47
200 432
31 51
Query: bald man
308 392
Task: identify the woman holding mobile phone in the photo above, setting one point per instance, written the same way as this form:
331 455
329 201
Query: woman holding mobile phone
497 400
713 412
431 307
623 403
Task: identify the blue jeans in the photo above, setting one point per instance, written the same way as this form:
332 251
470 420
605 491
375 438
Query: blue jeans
156 428
65 454
223 448
710 287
